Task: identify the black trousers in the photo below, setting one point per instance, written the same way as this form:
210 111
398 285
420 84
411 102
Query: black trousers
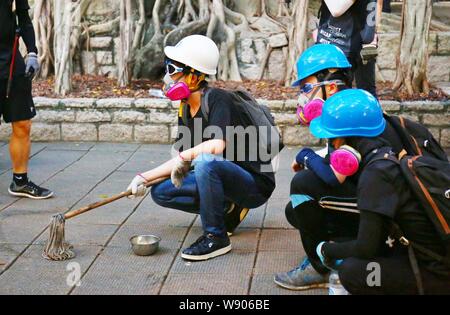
364 74
395 275
317 224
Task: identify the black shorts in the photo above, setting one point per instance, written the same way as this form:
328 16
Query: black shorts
19 105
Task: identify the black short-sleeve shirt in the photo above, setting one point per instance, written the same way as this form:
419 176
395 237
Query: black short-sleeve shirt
383 189
350 30
8 26
223 115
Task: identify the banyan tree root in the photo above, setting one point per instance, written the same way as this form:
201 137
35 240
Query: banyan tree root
56 247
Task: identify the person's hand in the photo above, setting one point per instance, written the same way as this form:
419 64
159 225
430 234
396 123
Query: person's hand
315 34
375 41
137 186
330 263
179 171
32 66
296 167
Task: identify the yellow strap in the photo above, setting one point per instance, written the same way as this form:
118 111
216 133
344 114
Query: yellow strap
180 110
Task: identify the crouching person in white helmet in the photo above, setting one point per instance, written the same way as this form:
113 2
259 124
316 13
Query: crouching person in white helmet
204 179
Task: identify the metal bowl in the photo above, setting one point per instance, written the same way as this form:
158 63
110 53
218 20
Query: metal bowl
145 245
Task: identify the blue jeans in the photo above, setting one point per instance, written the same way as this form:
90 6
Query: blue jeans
207 190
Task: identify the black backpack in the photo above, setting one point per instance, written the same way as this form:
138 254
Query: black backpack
426 169
252 114
416 138
429 180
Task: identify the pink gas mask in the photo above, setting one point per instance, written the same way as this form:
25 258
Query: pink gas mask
345 160
312 109
175 90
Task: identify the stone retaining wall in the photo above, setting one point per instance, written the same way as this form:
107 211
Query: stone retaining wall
103 53
154 120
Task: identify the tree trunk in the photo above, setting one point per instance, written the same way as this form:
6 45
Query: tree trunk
126 41
297 35
63 62
43 26
412 58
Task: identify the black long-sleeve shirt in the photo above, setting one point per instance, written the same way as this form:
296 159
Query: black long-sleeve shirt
384 196
8 26
367 244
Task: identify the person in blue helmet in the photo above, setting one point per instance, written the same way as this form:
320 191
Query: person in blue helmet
353 121
323 71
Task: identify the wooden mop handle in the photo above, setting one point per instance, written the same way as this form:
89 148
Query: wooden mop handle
98 204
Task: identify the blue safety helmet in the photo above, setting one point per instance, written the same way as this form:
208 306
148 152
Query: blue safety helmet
320 57
349 113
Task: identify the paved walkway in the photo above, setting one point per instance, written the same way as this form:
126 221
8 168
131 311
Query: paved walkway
82 173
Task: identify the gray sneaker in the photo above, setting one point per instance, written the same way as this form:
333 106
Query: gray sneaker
302 277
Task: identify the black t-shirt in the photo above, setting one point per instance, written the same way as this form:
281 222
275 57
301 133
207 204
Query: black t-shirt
223 114
350 30
382 189
8 25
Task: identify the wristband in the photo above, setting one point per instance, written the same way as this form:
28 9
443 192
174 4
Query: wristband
145 179
181 157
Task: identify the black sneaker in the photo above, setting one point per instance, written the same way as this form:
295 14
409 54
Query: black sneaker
234 216
207 247
30 190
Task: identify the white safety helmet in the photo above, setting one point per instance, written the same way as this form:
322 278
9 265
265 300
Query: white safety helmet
196 51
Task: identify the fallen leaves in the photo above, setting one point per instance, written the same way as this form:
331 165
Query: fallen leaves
102 87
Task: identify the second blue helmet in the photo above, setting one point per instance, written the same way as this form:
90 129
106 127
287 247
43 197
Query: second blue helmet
320 57
349 113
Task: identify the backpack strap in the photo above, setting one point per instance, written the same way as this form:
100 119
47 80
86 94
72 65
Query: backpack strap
204 107
398 234
399 125
185 109
205 103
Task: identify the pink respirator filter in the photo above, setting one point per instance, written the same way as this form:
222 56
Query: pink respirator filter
310 111
178 91
345 161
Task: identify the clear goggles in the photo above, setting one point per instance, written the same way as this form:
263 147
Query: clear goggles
172 69
308 87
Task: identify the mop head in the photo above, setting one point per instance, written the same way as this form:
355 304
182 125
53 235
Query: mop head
56 247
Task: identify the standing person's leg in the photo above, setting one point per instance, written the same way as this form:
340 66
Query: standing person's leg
19 109
387 6
219 181
20 146
365 75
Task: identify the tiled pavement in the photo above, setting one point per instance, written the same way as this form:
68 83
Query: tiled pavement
82 173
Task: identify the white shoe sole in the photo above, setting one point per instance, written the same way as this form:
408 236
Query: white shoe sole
216 253
307 287
28 196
